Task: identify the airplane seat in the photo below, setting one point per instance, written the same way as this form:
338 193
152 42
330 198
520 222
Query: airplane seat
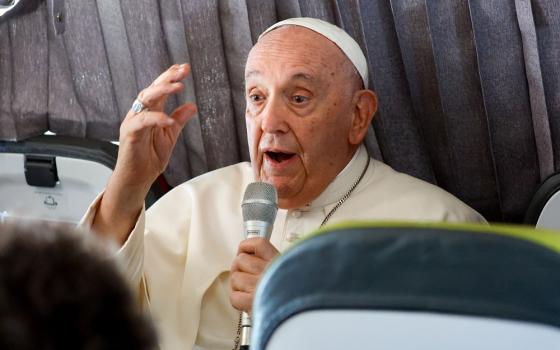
55 178
544 208
412 286
10 8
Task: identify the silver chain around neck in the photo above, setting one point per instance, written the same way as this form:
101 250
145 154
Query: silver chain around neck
346 195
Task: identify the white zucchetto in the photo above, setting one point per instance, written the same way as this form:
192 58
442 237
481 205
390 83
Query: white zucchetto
337 35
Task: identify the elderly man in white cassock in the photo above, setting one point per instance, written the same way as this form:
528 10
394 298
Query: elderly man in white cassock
308 110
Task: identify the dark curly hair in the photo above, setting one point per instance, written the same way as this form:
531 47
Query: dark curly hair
57 291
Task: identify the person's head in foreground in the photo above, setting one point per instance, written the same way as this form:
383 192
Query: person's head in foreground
58 291
308 107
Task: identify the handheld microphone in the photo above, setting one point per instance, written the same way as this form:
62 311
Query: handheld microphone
259 207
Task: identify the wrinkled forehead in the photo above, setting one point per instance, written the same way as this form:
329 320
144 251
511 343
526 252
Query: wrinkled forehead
296 48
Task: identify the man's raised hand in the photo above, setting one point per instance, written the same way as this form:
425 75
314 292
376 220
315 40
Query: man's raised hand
146 141
147 138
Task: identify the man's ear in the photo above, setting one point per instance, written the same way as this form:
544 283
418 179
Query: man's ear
365 108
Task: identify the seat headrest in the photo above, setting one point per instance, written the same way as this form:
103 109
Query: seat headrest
479 270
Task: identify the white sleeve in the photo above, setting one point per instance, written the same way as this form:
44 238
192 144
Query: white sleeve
130 256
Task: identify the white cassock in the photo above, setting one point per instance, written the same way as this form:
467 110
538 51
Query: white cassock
181 249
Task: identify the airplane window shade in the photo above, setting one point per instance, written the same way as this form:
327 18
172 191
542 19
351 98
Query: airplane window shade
462 85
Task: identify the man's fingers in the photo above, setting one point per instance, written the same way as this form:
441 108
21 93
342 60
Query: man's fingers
241 301
249 263
169 82
174 73
243 282
258 246
148 119
242 290
254 255
182 115
155 95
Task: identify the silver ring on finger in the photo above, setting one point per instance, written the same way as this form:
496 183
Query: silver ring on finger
138 106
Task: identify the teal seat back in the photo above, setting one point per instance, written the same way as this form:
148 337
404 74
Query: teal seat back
481 273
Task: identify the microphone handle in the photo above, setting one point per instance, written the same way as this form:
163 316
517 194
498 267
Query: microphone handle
257 228
252 229
245 342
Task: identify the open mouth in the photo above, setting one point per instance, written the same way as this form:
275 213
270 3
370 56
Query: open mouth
279 157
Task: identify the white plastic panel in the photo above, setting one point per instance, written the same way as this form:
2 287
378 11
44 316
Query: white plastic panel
6 8
80 182
395 330
550 215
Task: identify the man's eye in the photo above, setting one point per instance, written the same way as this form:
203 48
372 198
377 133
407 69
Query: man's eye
299 99
255 98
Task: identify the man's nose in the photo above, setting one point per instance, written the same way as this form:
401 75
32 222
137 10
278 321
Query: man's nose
274 116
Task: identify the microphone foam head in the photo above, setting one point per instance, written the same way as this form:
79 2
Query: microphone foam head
260 202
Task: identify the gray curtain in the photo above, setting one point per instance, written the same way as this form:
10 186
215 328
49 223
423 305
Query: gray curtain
469 90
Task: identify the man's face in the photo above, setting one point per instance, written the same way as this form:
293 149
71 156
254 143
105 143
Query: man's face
299 91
